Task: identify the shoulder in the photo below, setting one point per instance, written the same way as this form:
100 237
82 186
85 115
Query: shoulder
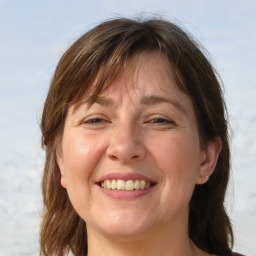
237 254
234 254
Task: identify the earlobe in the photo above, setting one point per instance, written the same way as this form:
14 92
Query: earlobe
209 160
60 164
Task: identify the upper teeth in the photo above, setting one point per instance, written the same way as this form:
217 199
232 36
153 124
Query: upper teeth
125 185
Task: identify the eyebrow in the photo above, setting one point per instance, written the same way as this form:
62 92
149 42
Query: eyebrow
146 100
106 102
153 100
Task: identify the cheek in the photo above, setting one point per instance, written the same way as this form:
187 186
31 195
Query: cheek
178 160
180 151
81 156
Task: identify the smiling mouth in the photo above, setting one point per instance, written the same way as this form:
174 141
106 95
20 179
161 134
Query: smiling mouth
126 185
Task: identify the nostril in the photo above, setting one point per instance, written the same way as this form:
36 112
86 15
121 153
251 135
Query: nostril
113 157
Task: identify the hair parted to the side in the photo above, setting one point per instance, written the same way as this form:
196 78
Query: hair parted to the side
102 52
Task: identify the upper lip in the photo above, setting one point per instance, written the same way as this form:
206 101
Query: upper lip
124 176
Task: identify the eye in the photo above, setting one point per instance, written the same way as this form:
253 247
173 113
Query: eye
161 121
92 121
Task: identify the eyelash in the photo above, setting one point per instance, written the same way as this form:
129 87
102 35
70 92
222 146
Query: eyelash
154 121
95 120
161 121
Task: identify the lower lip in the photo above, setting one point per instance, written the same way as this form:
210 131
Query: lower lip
125 194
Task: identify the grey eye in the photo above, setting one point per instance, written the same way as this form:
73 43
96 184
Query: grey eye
161 121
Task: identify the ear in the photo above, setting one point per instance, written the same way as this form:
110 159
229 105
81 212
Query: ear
59 159
209 160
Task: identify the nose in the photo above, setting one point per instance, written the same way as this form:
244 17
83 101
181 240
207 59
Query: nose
126 145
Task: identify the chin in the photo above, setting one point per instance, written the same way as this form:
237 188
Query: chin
121 232
124 225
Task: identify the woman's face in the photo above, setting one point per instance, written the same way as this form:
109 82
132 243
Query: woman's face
131 159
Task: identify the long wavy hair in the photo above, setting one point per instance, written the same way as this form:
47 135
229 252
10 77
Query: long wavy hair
103 52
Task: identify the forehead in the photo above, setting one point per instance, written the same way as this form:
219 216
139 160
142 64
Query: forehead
144 72
147 78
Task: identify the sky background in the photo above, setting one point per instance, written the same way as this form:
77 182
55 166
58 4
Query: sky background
34 35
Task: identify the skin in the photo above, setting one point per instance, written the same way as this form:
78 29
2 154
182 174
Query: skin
143 124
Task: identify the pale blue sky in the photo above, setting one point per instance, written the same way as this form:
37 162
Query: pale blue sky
35 33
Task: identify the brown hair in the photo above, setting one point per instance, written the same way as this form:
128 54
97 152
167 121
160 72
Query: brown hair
102 52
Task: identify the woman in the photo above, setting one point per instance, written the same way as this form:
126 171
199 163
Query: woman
137 151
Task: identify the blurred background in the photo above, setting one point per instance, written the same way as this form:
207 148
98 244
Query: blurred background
33 36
